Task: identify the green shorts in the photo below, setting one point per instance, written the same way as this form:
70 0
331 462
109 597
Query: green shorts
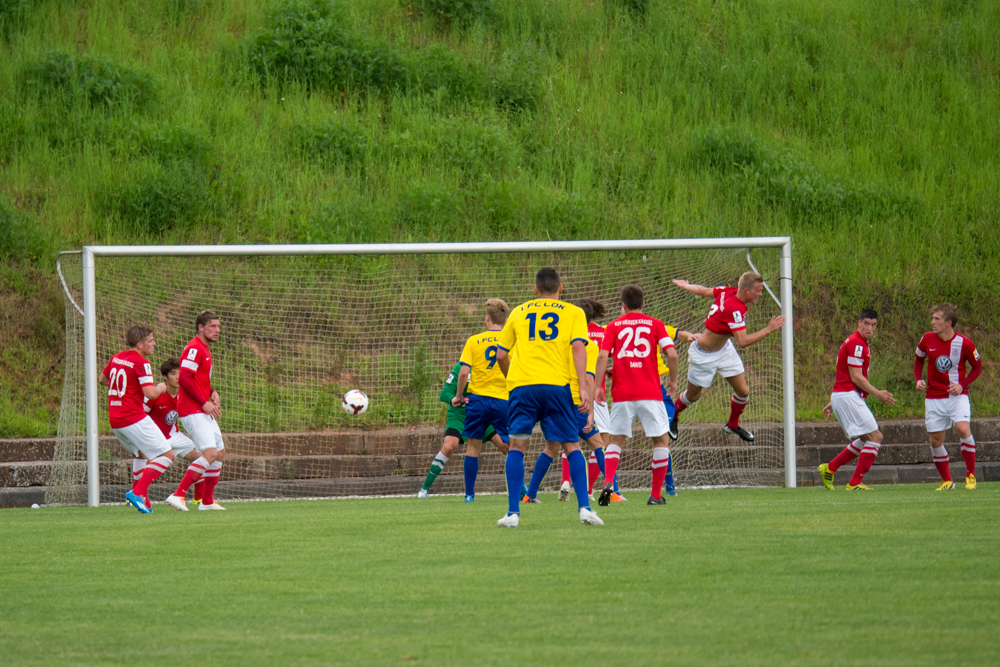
456 424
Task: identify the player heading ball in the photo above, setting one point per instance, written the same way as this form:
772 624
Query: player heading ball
713 352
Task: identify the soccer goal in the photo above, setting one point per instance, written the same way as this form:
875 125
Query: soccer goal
302 324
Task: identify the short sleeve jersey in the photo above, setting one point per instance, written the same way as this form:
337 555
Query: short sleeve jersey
853 352
128 372
728 314
163 411
196 359
946 362
634 341
661 366
544 331
451 384
480 355
596 333
574 386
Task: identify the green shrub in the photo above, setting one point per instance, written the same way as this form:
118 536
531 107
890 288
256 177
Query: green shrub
154 198
310 41
516 82
777 176
92 81
334 142
462 13
352 220
169 143
430 210
21 239
13 14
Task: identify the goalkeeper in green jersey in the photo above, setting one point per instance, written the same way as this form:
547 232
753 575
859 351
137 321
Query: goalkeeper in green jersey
453 430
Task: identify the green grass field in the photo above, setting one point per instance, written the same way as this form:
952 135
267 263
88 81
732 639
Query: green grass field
866 131
898 576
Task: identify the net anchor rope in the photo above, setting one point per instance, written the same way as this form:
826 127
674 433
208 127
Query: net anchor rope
63 280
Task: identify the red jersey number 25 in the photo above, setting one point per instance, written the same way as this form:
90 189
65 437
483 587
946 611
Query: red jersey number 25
635 344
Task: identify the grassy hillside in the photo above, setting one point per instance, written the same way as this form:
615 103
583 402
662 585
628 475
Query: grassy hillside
869 133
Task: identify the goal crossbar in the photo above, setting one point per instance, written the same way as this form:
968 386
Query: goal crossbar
90 253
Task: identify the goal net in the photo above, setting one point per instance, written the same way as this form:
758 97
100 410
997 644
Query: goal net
300 331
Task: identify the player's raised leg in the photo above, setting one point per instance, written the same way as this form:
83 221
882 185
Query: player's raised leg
713 351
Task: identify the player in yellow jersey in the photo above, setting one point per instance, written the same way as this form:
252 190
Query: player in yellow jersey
486 404
551 336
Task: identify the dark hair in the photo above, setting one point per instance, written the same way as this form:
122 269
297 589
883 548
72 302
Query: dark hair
596 307
632 297
137 334
547 280
586 307
947 311
169 366
204 317
868 314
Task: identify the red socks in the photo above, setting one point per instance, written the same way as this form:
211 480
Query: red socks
736 407
211 479
941 463
865 461
565 469
192 475
199 490
611 458
849 454
969 454
153 469
681 403
661 459
593 471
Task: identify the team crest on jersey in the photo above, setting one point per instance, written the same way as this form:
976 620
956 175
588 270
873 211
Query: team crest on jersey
943 364
192 353
975 354
171 418
451 378
149 369
859 351
737 316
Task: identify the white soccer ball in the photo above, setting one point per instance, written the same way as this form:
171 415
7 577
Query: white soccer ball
34 506
355 402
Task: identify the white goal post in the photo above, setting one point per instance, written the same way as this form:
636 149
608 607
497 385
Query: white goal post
90 254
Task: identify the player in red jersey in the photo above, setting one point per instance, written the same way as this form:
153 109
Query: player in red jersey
847 402
713 350
163 411
946 402
198 406
633 339
129 378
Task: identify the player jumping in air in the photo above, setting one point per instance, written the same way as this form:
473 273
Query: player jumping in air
198 406
847 403
713 351
129 378
163 411
454 425
550 335
946 403
486 404
633 341
586 432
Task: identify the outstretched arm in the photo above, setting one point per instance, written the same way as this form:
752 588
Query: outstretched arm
694 289
463 378
746 340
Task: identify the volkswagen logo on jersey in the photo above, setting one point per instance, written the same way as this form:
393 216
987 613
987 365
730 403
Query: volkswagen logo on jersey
943 364
171 418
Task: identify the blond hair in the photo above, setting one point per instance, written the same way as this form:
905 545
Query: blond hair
947 311
749 280
497 309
